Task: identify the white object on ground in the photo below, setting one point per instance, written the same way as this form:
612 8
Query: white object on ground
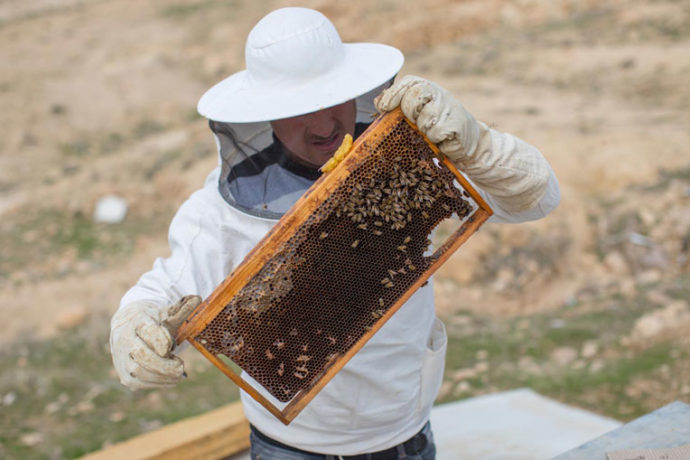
517 424
111 209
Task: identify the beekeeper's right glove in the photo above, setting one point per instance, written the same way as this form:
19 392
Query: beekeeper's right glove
142 340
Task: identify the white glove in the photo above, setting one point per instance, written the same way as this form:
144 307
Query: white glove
142 340
512 171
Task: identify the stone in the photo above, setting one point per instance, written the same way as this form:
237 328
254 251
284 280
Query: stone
655 257
52 407
462 387
649 276
589 349
116 417
110 209
652 324
150 425
482 355
616 263
628 288
658 297
31 439
445 390
463 374
504 278
9 398
563 356
481 367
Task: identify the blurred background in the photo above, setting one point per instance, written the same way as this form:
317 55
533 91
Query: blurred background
100 143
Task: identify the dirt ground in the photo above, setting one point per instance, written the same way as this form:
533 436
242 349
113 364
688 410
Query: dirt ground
99 98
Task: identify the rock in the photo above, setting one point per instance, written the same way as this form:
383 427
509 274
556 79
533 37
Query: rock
166 141
155 399
649 276
481 355
639 239
655 257
481 367
504 278
616 263
685 390
589 349
648 326
116 417
563 356
464 374
652 324
647 216
150 425
32 439
557 323
443 392
462 387
52 407
658 297
111 209
85 406
9 398
628 288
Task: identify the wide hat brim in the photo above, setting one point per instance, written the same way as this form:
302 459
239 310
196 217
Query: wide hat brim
241 99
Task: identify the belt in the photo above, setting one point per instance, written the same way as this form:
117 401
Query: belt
414 445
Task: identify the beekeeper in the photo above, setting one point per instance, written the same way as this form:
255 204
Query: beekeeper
275 124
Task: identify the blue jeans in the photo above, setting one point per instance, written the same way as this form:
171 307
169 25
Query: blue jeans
262 450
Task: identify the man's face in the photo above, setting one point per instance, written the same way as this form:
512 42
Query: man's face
314 137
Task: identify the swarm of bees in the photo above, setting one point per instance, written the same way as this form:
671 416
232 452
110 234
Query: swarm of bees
339 274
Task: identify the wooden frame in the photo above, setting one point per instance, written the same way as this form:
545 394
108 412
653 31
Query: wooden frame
285 228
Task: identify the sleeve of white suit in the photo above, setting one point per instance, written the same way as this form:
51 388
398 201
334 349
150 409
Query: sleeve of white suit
194 265
545 196
512 175
140 341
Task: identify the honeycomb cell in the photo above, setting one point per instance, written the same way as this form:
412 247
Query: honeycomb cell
339 274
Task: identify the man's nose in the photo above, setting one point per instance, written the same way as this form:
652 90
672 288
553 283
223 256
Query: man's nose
320 123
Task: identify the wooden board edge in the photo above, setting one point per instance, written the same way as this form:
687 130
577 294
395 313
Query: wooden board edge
216 434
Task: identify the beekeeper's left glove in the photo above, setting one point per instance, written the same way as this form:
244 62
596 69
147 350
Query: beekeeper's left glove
142 340
512 171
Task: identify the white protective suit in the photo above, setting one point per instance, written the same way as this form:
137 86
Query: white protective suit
383 396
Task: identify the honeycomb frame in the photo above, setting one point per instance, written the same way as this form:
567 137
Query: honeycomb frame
335 267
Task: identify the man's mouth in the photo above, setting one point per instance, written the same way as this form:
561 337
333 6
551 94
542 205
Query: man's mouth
328 144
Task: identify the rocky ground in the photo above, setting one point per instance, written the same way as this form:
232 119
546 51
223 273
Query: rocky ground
590 306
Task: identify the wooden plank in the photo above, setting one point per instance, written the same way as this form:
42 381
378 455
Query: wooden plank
213 435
